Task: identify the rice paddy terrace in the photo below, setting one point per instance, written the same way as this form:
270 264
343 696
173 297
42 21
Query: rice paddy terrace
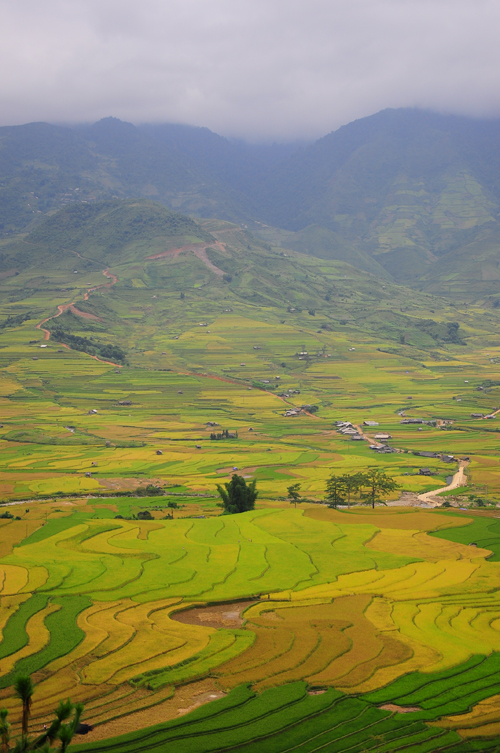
328 630
359 629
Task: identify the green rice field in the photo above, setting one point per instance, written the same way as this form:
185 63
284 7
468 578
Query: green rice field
282 628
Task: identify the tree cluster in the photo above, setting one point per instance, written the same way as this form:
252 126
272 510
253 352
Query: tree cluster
224 434
89 345
237 495
371 485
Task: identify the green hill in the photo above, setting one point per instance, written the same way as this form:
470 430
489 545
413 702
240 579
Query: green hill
214 264
418 192
90 235
405 194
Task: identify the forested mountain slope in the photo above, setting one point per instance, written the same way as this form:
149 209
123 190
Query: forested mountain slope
407 187
404 194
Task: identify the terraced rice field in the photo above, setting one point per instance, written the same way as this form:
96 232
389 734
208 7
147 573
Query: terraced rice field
367 610
349 615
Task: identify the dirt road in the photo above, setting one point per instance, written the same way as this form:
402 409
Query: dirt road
198 249
71 307
459 479
368 439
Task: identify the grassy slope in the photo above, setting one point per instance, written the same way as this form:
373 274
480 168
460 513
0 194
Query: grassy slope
271 305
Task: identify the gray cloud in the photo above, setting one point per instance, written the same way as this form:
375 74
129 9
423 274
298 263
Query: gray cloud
259 69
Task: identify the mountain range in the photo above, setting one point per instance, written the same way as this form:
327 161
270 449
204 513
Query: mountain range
407 195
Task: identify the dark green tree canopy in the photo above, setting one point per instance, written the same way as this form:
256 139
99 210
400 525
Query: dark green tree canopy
335 490
294 494
237 495
377 483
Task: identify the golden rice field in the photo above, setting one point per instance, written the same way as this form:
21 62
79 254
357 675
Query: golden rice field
351 600
326 621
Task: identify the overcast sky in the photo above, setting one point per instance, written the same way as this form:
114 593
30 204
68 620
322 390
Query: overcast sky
257 69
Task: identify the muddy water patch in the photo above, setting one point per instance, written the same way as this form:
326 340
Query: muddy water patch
216 616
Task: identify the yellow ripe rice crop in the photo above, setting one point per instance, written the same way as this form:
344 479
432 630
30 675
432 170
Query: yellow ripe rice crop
117 633
421 546
330 643
379 612
14 579
148 647
432 624
37 577
482 720
12 532
136 701
394 653
319 632
267 646
364 641
364 599
402 519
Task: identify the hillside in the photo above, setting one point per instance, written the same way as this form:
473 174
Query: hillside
407 195
145 357
416 191
97 234
150 247
45 167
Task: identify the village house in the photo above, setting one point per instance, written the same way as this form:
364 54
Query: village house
425 472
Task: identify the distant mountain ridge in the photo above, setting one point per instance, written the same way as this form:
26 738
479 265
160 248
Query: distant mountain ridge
404 194
407 187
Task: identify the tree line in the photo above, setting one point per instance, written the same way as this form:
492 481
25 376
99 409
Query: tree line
370 486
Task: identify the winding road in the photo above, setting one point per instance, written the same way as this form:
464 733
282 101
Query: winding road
63 307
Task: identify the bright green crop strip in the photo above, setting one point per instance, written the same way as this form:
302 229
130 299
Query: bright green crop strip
409 684
457 694
313 730
484 532
51 527
15 636
282 720
65 635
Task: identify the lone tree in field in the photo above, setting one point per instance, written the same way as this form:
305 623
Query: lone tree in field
376 484
335 490
293 494
237 496
23 688
352 483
